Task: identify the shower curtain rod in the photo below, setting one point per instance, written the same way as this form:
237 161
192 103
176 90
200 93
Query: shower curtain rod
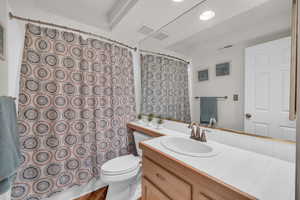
11 16
166 55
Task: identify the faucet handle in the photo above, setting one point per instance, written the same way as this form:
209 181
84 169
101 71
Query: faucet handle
193 127
203 136
212 122
198 134
193 135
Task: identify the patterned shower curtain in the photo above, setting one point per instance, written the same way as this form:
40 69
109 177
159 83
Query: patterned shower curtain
76 97
165 90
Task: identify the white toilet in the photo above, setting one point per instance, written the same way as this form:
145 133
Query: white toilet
123 174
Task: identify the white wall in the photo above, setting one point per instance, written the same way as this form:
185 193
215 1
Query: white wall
230 113
15 41
3 64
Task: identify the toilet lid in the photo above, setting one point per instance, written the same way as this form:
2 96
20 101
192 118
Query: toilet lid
121 165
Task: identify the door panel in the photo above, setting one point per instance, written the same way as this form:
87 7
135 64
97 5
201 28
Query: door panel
267 89
262 88
261 129
285 85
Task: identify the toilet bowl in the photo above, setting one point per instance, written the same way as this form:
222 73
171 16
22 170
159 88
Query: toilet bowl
123 174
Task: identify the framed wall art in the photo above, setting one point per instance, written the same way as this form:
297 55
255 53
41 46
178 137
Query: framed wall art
223 69
203 75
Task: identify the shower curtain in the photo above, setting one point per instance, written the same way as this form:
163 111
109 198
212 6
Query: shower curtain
165 87
76 97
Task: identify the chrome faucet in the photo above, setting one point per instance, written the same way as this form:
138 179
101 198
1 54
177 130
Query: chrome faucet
192 127
192 124
203 136
197 135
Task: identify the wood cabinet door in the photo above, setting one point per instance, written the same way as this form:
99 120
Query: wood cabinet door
203 196
172 185
150 192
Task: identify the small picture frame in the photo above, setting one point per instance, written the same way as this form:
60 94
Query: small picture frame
203 75
223 69
2 43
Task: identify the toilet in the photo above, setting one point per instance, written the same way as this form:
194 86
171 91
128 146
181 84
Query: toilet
123 174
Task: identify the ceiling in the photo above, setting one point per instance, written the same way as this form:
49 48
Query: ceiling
99 13
152 13
241 23
121 19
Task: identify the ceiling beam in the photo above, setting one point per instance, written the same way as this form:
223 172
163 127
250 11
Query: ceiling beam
118 12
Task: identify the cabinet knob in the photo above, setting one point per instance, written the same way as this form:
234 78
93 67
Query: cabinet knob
160 177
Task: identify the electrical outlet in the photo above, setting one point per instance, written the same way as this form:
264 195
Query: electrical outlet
235 97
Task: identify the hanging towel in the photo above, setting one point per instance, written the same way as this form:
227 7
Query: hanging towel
208 109
9 143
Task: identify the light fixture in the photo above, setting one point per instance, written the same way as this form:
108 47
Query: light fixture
178 1
207 15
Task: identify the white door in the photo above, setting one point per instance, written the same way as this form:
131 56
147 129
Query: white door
267 85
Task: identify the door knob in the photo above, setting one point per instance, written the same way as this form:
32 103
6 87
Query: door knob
248 115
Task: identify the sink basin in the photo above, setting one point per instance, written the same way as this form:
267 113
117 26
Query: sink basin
189 147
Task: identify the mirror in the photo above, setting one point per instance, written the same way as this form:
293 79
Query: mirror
239 72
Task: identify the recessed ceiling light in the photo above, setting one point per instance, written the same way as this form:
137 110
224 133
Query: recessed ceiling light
207 15
178 0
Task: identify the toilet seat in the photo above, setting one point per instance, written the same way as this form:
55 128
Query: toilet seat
120 168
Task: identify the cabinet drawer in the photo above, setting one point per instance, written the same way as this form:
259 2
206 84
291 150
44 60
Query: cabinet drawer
203 196
173 186
150 192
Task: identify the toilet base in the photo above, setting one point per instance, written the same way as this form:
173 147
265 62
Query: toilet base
125 190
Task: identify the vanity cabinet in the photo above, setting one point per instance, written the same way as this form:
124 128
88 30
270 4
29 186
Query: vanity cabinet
150 192
170 184
165 178
203 197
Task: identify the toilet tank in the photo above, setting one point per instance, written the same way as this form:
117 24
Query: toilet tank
139 137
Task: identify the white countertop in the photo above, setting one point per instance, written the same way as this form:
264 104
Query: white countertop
261 176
